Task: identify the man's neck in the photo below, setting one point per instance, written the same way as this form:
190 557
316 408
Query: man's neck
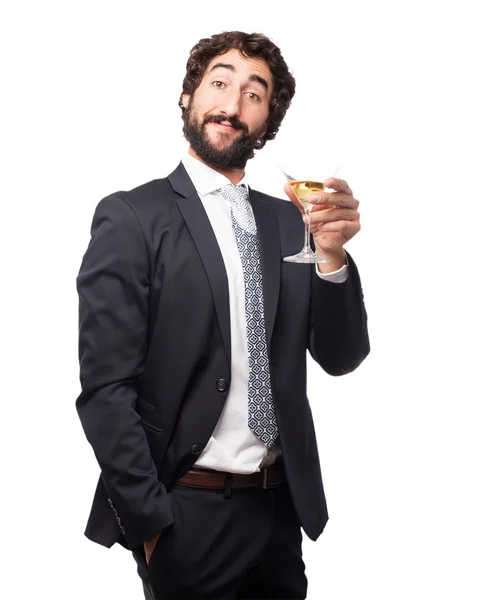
234 175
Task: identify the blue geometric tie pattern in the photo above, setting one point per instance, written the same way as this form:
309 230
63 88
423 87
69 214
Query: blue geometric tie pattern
261 414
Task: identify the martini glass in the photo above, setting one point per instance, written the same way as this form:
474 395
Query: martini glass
302 189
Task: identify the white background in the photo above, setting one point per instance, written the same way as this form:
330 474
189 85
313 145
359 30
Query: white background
386 90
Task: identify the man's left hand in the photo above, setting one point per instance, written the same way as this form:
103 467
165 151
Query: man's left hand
334 218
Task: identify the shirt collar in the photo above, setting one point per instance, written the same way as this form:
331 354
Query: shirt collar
204 178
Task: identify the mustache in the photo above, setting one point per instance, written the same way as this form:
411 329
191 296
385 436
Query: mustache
233 121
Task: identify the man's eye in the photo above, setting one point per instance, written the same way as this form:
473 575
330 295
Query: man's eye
253 96
218 84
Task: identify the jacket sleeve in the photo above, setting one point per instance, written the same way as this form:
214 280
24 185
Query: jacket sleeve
113 288
339 339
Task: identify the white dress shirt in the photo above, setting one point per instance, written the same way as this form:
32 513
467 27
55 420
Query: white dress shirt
233 447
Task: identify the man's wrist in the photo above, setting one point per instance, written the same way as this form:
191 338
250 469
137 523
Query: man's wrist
337 260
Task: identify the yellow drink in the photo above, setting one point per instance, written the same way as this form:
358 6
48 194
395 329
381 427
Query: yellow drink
303 190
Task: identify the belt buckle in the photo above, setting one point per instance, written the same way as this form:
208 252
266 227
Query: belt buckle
265 485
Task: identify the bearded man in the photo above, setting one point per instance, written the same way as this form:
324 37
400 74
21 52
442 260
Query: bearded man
193 341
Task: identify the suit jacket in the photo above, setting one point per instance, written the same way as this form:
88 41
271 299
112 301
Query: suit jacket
154 348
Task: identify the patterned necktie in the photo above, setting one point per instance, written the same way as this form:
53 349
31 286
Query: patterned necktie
261 414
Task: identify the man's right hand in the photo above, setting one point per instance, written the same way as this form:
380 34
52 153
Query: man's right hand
149 546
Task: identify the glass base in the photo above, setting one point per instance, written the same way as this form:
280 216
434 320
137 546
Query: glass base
306 257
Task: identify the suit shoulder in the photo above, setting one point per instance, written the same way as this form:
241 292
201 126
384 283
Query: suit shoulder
147 192
139 199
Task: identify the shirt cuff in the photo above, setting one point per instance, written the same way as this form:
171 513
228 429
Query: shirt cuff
339 276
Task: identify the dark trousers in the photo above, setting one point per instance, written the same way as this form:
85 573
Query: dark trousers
247 545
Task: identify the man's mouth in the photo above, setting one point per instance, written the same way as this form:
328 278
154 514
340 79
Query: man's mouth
224 126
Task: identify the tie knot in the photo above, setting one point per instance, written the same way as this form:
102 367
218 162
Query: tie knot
237 194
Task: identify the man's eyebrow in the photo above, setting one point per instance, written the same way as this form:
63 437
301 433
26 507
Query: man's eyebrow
253 77
224 66
260 80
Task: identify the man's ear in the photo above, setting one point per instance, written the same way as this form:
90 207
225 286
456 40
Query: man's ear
185 100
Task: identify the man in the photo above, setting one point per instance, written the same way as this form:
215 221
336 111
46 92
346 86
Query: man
193 341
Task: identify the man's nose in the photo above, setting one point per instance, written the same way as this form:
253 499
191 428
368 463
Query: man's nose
230 106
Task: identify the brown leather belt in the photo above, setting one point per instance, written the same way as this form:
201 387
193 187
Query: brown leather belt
217 480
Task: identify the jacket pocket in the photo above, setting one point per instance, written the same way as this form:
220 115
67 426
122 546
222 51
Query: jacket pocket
147 416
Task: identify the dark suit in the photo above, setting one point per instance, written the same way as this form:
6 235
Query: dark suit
154 347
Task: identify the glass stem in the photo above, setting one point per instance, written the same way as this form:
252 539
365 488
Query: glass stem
307 232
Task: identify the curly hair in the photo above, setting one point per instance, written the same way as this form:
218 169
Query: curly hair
254 45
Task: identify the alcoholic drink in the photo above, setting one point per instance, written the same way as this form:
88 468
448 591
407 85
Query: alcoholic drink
303 190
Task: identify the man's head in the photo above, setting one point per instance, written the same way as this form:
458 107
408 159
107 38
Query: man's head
236 92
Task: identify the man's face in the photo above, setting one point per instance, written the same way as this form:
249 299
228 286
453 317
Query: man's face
229 110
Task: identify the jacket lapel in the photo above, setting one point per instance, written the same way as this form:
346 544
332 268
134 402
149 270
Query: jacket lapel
203 235
204 238
270 250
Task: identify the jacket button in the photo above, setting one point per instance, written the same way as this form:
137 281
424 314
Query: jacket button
196 449
221 385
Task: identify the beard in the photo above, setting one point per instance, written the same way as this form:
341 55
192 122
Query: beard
233 156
